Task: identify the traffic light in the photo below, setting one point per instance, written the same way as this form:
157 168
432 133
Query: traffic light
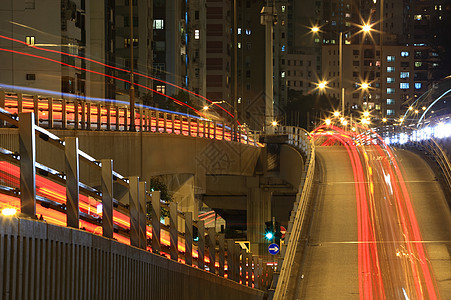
277 233
269 231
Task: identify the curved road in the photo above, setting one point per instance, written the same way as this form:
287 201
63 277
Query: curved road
381 228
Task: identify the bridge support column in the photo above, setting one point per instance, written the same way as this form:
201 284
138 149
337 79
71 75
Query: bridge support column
258 212
212 249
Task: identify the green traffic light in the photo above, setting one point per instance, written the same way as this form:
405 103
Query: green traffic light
269 236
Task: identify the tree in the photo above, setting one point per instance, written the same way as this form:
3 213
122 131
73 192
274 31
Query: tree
301 108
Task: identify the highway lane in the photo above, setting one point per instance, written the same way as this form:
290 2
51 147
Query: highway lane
379 251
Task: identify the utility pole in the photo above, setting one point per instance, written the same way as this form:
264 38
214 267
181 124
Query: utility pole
235 72
132 83
267 18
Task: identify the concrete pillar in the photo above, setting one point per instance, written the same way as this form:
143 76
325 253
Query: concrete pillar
134 210
258 212
72 167
107 198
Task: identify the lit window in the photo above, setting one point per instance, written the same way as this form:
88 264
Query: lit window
390 101
418 64
30 40
248 32
316 40
417 17
390 90
390 79
283 48
348 24
239 45
161 88
283 8
282 74
196 34
390 58
158 24
418 85
347 15
404 75
334 23
404 85
390 69
239 30
390 112
404 53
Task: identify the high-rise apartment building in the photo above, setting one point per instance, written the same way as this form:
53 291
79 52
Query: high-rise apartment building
33 23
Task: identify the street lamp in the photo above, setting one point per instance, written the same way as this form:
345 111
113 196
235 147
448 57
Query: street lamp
366 28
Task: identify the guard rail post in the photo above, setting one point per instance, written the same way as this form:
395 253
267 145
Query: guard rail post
173 231
72 166
27 152
156 232
201 245
189 238
107 198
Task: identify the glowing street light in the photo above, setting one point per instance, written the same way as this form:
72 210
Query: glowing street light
205 107
384 120
366 114
274 123
315 29
9 211
327 121
322 85
336 113
365 86
366 27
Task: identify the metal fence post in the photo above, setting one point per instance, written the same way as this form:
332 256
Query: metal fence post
125 118
189 238
36 108
107 197
173 231
156 222
238 262
88 115
189 126
118 118
173 123
19 101
99 116
249 269
72 181
221 242
201 245
83 114
134 210
243 266
76 114
50 112
212 249
108 117
142 216
63 114
157 123
27 151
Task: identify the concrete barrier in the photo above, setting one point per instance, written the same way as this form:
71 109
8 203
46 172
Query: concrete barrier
43 261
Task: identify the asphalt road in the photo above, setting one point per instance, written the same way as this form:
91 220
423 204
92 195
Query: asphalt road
381 229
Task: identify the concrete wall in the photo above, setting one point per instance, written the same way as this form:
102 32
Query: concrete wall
42 261
147 154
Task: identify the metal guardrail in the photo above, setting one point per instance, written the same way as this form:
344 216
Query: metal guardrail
143 232
301 139
53 113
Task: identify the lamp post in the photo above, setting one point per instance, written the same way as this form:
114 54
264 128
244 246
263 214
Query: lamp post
132 83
